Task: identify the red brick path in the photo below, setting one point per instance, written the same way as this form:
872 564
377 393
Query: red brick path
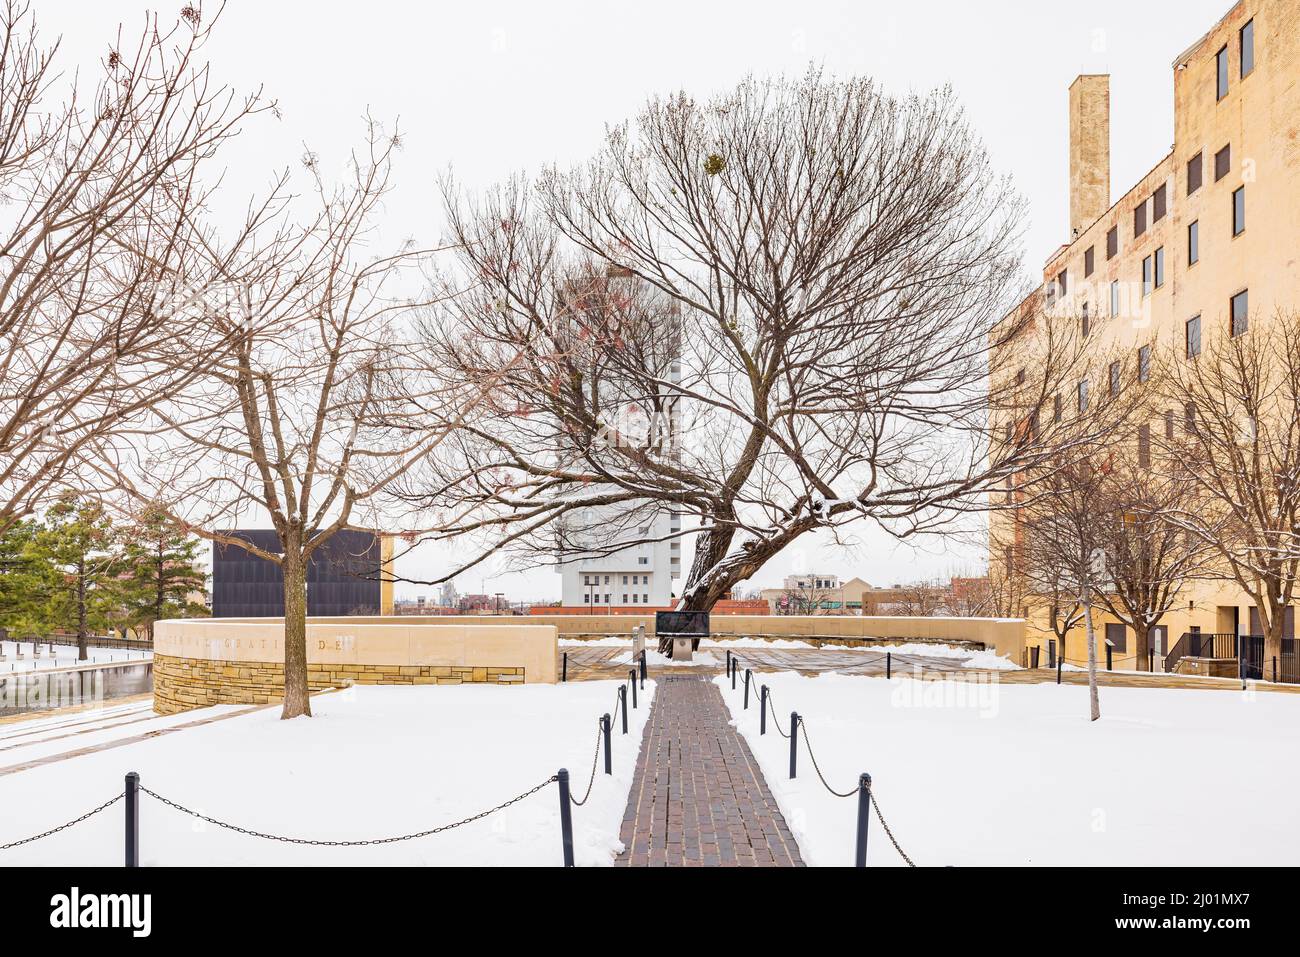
698 797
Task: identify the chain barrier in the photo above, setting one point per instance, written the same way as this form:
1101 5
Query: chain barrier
358 843
840 794
63 827
595 759
888 833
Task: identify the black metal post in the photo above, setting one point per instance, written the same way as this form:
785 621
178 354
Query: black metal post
1060 662
728 662
566 817
794 741
622 700
748 674
133 820
631 677
564 669
609 756
1151 660
1110 658
733 675
762 710
889 665
864 818
643 667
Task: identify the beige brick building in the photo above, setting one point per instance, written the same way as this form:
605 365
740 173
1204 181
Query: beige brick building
1215 223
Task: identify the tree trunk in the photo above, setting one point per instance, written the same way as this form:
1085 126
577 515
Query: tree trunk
296 699
1094 703
81 610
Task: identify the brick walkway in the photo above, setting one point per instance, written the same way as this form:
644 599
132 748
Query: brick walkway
698 797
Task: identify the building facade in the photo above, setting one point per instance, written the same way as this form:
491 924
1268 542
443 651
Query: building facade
1205 245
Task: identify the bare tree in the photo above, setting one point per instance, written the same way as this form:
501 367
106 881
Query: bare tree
921 599
816 276
96 185
318 405
1233 422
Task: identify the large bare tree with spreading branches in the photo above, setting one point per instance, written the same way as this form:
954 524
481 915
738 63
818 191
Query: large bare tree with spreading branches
98 174
767 314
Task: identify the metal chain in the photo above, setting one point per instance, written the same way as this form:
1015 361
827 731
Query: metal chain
380 840
600 733
63 827
842 794
775 720
888 833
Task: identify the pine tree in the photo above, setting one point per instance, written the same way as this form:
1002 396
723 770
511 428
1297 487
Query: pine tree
161 573
77 542
27 582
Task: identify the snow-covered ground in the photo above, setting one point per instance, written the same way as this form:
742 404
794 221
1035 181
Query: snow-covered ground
980 772
63 655
987 659
700 659
374 762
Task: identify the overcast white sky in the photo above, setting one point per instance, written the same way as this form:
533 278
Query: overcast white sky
491 88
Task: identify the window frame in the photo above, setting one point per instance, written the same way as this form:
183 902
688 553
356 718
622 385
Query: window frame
1158 258
1089 261
1222 76
1247 63
1193 242
1148 276
1187 337
1144 363
1139 219
1197 162
1112 243
1159 203
1081 396
1225 153
1236 329
1239 210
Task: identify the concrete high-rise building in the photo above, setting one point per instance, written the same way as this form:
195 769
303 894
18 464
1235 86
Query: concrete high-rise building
1205 245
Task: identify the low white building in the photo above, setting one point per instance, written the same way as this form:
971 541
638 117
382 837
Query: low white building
638 576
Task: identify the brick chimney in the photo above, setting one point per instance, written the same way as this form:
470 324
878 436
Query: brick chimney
1089 151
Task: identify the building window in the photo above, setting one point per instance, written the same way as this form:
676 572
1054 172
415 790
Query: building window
1114 299
1189 418
607 596
1194 173
1160 266
1159 204
1112 243
1247 49
1139 220
1146 276
1062 283
634 598
1193 337
1239 211
1115 373
1085 326
625 582
1083 396
1169 425
625 598
1144 446
1240 310
1088 262
1058 408
1194 243
1144 363
1223 162
1221 73
643 561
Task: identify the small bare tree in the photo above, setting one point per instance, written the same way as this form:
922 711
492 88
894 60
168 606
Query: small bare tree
1233 425
96 185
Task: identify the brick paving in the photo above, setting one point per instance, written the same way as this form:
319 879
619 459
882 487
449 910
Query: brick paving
698 798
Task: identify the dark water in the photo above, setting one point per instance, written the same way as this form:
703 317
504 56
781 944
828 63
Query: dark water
43 691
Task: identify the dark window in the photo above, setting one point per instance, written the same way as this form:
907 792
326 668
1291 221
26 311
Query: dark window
1058 411
1117 637
1223 162
1062 283
1144 446
1114 298
1085 324
1194 173
1083 396
1115 372
1239 211
1160 266
1159 204
1193 337
1169 425
1139 220
1112 243
1240 307
1144 363
1221 73
1189 418
1088 262
1194 243
1247 49
1146 276
1020 380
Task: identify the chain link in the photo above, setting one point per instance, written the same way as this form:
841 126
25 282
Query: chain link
841 794
63 827
600 733
362 843
888 833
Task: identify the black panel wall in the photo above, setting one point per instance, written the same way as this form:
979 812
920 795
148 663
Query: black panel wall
245 586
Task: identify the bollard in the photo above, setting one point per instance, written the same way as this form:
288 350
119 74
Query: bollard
631 677
889 666
733 675
643 667
794 741
566 817
622 700
1110 658
1275 669
1059 662
564 672
1151 659
728 662
762 710
132 820
748 674
864 818
605 730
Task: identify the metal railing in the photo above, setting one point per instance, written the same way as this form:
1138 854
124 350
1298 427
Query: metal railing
1198 644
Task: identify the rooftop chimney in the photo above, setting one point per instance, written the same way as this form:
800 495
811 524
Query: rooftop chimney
1089 151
